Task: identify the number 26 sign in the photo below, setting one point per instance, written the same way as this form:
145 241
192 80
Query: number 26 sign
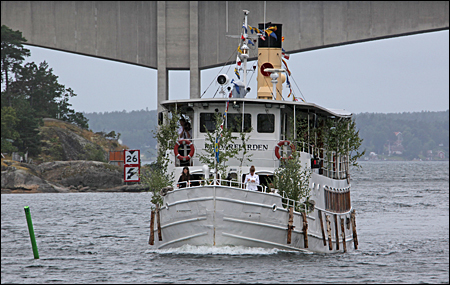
131 156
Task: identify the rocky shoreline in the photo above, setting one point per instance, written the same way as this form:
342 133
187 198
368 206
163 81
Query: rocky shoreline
64 177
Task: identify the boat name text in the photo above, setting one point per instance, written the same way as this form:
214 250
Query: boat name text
253 147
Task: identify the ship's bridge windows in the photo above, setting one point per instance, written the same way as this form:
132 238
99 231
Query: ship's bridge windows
266 123
234 122
208 120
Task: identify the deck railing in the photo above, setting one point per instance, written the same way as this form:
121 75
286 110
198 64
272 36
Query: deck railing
222 182
332 165
342 207
286 202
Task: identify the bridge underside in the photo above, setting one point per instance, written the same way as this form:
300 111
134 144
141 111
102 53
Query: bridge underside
190 35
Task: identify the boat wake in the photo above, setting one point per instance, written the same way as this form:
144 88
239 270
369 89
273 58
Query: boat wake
222 250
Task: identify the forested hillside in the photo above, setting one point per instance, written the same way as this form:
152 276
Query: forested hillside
135 128
405 135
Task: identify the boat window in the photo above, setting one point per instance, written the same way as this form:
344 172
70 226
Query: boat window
266 123
208 120
234 122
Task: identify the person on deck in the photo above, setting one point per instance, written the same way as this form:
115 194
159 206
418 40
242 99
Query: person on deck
184 133
252 179
183 181
181 133
188 130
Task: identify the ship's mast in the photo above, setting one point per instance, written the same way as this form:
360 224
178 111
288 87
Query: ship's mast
244 55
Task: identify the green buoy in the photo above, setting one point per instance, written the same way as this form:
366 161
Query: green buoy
31 231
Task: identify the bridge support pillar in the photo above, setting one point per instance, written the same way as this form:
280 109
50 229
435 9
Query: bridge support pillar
194 71
163 73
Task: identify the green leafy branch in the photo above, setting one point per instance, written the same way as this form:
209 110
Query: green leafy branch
244 137
342 137
225 152
156 175
293 179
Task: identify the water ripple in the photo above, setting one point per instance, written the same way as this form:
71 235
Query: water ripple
402 220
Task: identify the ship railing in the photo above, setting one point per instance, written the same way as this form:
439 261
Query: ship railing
222 182
332 164
286 202
296 204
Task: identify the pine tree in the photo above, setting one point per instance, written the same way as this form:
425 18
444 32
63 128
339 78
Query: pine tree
13 54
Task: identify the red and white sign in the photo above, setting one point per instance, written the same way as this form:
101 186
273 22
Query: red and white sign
131 165
131 173
132 157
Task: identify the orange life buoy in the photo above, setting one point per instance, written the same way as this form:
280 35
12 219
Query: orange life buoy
277 149
191 153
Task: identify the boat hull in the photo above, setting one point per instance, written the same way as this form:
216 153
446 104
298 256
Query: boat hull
230 216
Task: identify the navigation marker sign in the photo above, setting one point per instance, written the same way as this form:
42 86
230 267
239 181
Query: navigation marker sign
131 165
131 173
132 157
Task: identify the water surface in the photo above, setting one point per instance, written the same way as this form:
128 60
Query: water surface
402 221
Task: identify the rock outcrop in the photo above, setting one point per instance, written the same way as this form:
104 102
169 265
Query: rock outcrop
65 141
93 174
70 161
25 182
64 176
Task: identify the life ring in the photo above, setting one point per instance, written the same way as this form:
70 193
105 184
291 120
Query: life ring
191 153
277 149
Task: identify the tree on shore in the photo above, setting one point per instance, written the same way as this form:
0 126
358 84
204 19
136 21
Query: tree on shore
30 92
13 54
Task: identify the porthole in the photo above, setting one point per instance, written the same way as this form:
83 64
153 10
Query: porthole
167 206
274 207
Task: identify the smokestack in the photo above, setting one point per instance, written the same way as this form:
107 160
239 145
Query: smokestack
269 56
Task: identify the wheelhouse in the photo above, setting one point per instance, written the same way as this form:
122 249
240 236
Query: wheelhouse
266 123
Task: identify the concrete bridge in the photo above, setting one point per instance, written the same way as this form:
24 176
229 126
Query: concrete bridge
190 35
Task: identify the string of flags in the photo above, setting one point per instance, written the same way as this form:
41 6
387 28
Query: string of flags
283 53
288 83
244 27
269 32
256 30
238 64
235 86
216 149
285 65
236 72
252 30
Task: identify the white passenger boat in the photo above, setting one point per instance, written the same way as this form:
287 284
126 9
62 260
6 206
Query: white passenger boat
220 211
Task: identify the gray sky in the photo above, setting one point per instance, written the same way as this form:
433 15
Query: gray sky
404 74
